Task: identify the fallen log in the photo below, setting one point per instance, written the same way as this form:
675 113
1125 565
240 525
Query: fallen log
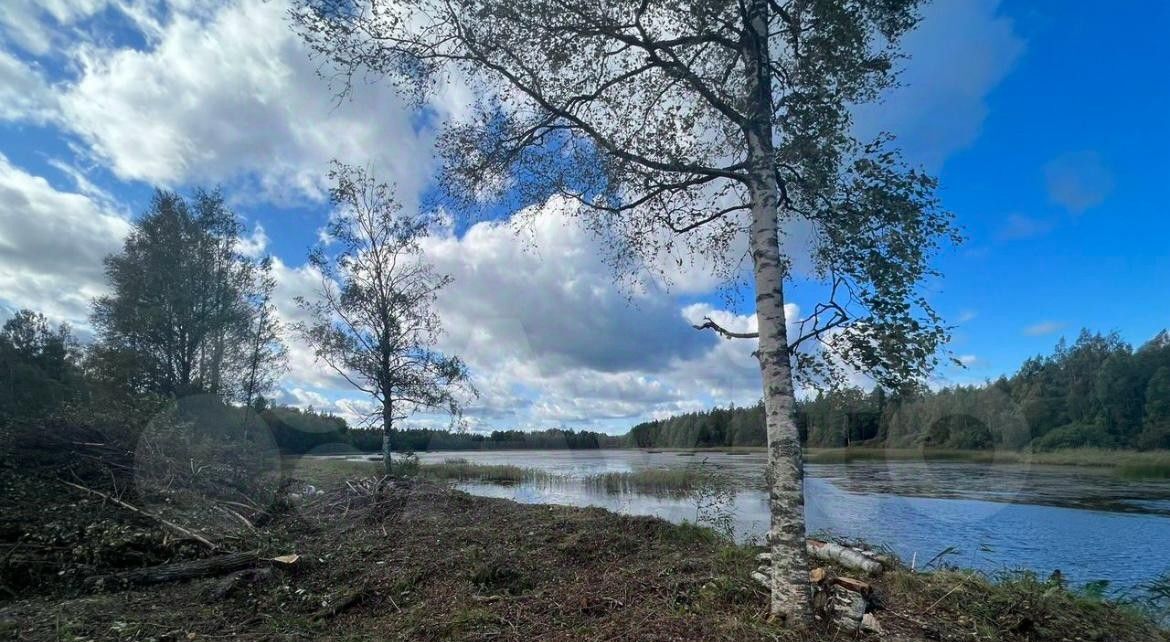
847 557
206 567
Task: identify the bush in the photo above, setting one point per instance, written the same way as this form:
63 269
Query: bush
1154 437
1074 436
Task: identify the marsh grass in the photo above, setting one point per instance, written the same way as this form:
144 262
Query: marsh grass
462 470
668 481
1144 471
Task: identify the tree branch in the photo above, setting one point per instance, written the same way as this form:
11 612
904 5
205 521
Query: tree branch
709 324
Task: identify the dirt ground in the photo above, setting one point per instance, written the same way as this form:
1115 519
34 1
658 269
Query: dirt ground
414 560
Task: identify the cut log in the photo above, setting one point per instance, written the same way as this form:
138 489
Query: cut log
869 622
857 586
847 557
207 567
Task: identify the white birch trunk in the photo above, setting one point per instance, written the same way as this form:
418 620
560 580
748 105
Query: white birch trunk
387 426
785 476
386 451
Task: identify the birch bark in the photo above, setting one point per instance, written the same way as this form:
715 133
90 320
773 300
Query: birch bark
784 474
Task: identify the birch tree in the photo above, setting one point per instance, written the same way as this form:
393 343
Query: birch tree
691 130
185 300
373 320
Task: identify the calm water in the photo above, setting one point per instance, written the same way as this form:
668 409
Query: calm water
1085 522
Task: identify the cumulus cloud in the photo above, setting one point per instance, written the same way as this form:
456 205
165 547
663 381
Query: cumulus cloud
1078 181
230 94
52 244
546 296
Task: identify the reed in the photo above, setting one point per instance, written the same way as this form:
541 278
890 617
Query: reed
461 470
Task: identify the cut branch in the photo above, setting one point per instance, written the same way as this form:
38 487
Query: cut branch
130 507
709 324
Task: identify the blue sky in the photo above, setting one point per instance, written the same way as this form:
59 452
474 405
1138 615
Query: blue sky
1046 123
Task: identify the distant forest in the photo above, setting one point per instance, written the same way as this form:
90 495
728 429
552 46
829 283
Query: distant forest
1097 392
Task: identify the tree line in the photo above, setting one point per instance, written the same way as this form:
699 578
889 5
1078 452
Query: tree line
1097 391
303 431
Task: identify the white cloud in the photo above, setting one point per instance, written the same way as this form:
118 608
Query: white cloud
255 244
1019 227
1078 181
1044 327
37 26
24 92
304 371
52 244
960 51
545 296
231 94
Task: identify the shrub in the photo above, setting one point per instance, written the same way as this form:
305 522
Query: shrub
1074 436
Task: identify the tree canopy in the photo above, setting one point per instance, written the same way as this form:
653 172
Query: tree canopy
188 312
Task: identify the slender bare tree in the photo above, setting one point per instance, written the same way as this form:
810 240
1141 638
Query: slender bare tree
265 355
373 319
682 128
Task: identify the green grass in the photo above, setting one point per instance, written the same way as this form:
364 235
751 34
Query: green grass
1102 457
841 455
1144 471
461 470
658 481
329 472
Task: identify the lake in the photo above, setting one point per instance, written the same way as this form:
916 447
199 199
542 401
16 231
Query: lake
1088 523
